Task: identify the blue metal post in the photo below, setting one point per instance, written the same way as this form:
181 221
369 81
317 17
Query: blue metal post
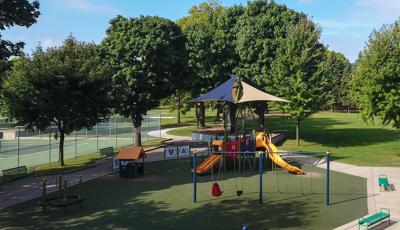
194 178
328 165
260 170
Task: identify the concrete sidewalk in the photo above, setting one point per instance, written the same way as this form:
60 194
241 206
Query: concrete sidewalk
376 199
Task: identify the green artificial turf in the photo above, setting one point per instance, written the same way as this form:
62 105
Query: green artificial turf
163 199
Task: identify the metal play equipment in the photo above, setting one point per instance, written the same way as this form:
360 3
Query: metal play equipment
62 198
236 92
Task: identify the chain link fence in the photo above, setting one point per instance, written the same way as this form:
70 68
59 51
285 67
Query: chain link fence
19 147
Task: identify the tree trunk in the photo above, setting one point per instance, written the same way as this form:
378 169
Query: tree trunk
218 116
61 149
298 133
260 111
201 120
178 105
137 135
232 117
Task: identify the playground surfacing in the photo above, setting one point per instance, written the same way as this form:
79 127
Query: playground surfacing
163 199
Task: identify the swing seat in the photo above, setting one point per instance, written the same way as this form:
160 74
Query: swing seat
216 190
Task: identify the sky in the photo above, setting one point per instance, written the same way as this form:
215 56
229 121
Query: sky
346 24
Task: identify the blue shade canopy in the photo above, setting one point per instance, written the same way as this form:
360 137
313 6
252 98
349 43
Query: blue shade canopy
248 92
221 93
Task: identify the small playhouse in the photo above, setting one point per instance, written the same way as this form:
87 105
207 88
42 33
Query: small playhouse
131 161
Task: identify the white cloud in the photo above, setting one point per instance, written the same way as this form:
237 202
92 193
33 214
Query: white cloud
377 9
345 24
91 6
49 42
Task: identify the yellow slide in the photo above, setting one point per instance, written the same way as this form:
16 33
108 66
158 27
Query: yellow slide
207 164
263 142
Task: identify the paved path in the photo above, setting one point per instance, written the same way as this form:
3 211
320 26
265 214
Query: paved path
376 199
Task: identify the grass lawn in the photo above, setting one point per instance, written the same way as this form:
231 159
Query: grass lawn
162 199
345 135
189 118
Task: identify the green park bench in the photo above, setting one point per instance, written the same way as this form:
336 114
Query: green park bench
383 182
368 221
106 152
14 173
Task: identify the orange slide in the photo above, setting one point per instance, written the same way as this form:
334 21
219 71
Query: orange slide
207 164
263 142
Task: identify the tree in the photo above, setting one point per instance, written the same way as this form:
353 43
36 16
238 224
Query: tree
297 71
336 69
146 54
210 34
375 84
66 86
16 12
260 31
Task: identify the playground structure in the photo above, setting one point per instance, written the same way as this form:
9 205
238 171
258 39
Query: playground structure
63 198
235 92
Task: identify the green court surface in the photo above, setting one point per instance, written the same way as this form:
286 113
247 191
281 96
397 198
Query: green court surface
163 199
38 151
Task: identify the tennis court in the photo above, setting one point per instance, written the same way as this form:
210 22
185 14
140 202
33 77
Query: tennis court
34 148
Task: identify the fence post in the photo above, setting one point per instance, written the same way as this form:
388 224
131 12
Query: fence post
109 127
76 144
147 134
159 124
194 178
50 145
97 137
260 171
116 133
18 147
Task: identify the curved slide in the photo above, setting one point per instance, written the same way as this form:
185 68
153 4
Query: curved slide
263 142
207 164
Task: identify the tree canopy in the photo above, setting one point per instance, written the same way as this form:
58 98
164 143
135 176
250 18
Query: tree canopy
337 70
16 12
297 71
375 84
66 86
146 55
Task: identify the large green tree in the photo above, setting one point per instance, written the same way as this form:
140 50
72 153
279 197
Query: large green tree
210 33
337 70
66 86
12 13
15 12
147 56
260 31
376 76
297 71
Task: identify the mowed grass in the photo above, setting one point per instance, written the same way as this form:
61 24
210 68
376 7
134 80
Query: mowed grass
346 136
163 199
169 119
